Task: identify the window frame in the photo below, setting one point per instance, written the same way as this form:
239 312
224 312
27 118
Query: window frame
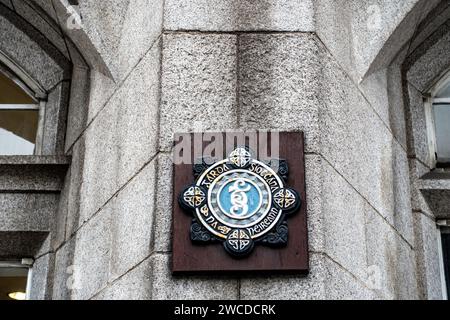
429 102
34 90
24 264
443 228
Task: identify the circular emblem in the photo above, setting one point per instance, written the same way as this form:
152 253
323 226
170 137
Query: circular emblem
239 201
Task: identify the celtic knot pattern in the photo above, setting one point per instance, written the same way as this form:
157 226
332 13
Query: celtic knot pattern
240 157
240 201
285 199
239 242
194 197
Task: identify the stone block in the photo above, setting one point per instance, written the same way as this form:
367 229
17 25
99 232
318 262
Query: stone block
397 103
41 284
58 222
92 256
375 90
418 202
167 287
344 223
77 117
198 84
314 197
311 287
390 260
164 207
21 243
121 140
418 139
342 285
239 15
134 285
427 247
27 212
279 77
29 48
75 183
435 187
132 219
55 118
123 32
349 126
432 63
63 280
47 27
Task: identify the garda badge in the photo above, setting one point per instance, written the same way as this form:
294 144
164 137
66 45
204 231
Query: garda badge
241 202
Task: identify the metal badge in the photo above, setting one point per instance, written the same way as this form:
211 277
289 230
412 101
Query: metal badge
241 202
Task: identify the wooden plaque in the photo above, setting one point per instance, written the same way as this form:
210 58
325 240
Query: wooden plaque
190 258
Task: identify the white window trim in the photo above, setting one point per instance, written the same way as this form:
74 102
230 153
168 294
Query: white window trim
429 100
431 131
34 90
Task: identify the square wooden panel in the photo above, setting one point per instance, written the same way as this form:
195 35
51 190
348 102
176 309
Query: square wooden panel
189 258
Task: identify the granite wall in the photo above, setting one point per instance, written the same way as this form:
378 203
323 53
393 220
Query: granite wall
333 69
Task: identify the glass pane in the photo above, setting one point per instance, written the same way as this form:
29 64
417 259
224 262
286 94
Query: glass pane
444 92
11 93
442 121
18 130
13 283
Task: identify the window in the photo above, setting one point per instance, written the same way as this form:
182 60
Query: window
13 280
441 122
19 116
445 240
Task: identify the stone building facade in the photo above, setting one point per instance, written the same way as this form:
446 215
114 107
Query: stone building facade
118 78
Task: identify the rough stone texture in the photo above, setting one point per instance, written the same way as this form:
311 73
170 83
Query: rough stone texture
397 117
58 222
327 280
63 281
278 83
74 192
55 119
27 212
239 15
345 240
418 202
32 177
122 139
198 84
365 36
348 123
163 202
435 187
112 222
288 287
135 285
165 286
132 215
428 257
391 260
437 17
43 62
78 106
15 244
47 27
41 278
122 31
431 64
92 256
418 139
